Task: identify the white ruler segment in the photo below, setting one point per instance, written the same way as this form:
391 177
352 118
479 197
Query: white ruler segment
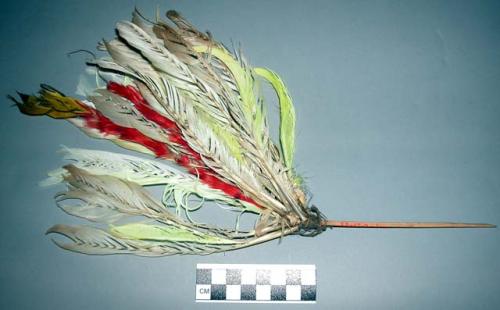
251 283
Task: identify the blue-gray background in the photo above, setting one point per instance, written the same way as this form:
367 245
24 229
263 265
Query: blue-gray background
398 106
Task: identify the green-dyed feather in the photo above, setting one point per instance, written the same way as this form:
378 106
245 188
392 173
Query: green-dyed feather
223 134
242 76
287 114
140 231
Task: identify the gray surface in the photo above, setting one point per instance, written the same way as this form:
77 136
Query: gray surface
398 119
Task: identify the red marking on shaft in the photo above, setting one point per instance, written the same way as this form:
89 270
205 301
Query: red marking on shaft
357 224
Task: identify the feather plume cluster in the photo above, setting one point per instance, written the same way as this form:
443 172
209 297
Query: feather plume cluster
173 92
177 95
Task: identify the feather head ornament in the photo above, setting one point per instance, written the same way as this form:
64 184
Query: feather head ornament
195 108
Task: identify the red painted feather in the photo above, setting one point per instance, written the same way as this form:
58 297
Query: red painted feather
96 120
193 162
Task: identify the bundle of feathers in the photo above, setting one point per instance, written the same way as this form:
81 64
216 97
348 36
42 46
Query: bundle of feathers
167 90
176 94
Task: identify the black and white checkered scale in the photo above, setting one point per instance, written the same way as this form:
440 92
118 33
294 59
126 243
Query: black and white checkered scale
256 283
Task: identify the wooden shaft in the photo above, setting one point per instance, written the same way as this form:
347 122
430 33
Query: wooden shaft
357 224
